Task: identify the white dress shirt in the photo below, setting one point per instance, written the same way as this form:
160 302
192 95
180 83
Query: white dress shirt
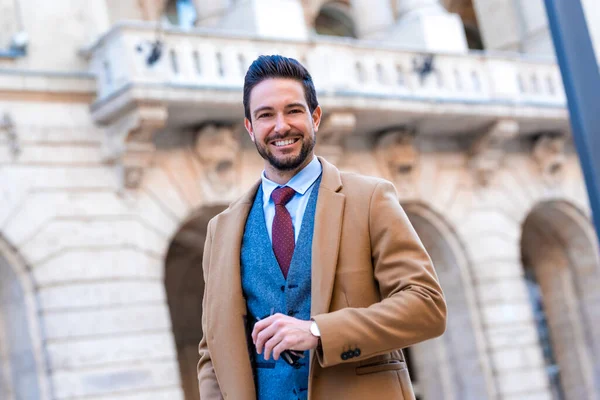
303 184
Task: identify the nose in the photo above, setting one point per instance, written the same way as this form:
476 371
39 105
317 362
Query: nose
281 124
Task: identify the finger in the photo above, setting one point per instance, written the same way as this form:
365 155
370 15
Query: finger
266 334
262 324
282 346
258 327
270 345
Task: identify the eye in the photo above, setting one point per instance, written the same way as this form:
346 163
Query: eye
264 115
295 111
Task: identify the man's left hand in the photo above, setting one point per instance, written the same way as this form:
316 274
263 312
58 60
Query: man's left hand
280 332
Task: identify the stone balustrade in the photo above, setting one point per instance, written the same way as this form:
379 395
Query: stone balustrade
206 59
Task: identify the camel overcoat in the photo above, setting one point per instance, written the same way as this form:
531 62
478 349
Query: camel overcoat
374 292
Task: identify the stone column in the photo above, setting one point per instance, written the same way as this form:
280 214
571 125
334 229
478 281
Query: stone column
211 12
8 23
425 24
591 9
276 19
520 25
372 17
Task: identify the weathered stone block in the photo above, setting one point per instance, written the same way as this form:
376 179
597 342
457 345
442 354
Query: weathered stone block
85 265
114 379
100 294
507 313
108 321
71 354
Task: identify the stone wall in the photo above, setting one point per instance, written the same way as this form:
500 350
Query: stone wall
95 257
96 252
86 257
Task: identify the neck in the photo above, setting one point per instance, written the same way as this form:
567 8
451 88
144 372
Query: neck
282 177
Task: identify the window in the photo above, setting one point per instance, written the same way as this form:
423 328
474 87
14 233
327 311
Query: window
181 13
543 330
335 19
465 9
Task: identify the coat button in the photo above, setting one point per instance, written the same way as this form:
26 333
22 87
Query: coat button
344 356
357 353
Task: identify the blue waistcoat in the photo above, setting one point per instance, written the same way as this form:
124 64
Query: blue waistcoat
266 290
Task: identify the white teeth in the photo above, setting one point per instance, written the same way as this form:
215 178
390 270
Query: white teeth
284 142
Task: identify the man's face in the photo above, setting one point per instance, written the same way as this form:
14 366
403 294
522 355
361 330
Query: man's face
282 127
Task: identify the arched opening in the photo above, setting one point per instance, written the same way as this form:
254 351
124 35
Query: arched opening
465 9
335 19
451 366
184 284
562 270
181 13
20 369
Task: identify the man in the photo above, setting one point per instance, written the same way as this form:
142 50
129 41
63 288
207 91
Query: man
314 279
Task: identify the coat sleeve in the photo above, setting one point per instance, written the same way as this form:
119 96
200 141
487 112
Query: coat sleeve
207 379
412 307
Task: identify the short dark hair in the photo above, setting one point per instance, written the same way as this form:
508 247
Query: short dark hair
276 66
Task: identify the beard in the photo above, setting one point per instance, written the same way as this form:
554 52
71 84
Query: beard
287 162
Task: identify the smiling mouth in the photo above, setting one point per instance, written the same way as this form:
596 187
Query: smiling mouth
286 142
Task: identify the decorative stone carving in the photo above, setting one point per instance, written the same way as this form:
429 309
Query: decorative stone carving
396 153
218 149
487 151
549 154
7 125
330 136
129 143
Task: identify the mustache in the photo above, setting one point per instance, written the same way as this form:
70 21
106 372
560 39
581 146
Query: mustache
284 136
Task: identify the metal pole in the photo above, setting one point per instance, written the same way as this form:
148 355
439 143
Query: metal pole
581 78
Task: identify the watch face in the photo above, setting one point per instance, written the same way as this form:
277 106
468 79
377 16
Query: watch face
314 329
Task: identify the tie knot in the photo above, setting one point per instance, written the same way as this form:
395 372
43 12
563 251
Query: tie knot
282 195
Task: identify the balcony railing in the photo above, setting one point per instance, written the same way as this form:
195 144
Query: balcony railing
201 59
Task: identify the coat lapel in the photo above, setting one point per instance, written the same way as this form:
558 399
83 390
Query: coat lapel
232 364
326 238
227 315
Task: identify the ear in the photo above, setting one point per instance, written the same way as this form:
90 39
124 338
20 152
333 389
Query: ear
316 117
248 126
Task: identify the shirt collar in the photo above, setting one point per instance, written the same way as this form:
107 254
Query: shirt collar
300 182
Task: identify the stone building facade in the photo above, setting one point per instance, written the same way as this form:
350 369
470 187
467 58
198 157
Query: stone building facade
121 136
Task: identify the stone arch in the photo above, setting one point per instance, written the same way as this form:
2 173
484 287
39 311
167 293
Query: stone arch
334 18
184 285
450 367
559 253
180 13
23 359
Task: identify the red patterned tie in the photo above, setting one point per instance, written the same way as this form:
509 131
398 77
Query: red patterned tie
283 229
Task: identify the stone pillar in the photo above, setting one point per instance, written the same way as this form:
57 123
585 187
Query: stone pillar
372 17
211 12
425 24
591 9
8 23
515 25
277 19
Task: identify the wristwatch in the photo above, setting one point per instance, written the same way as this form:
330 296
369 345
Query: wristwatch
314 329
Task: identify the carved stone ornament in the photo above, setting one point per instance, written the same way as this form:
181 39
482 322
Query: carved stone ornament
549 154
218 149
396 153
487 151
330 136
129 143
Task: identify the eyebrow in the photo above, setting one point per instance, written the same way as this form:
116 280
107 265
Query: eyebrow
268 108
